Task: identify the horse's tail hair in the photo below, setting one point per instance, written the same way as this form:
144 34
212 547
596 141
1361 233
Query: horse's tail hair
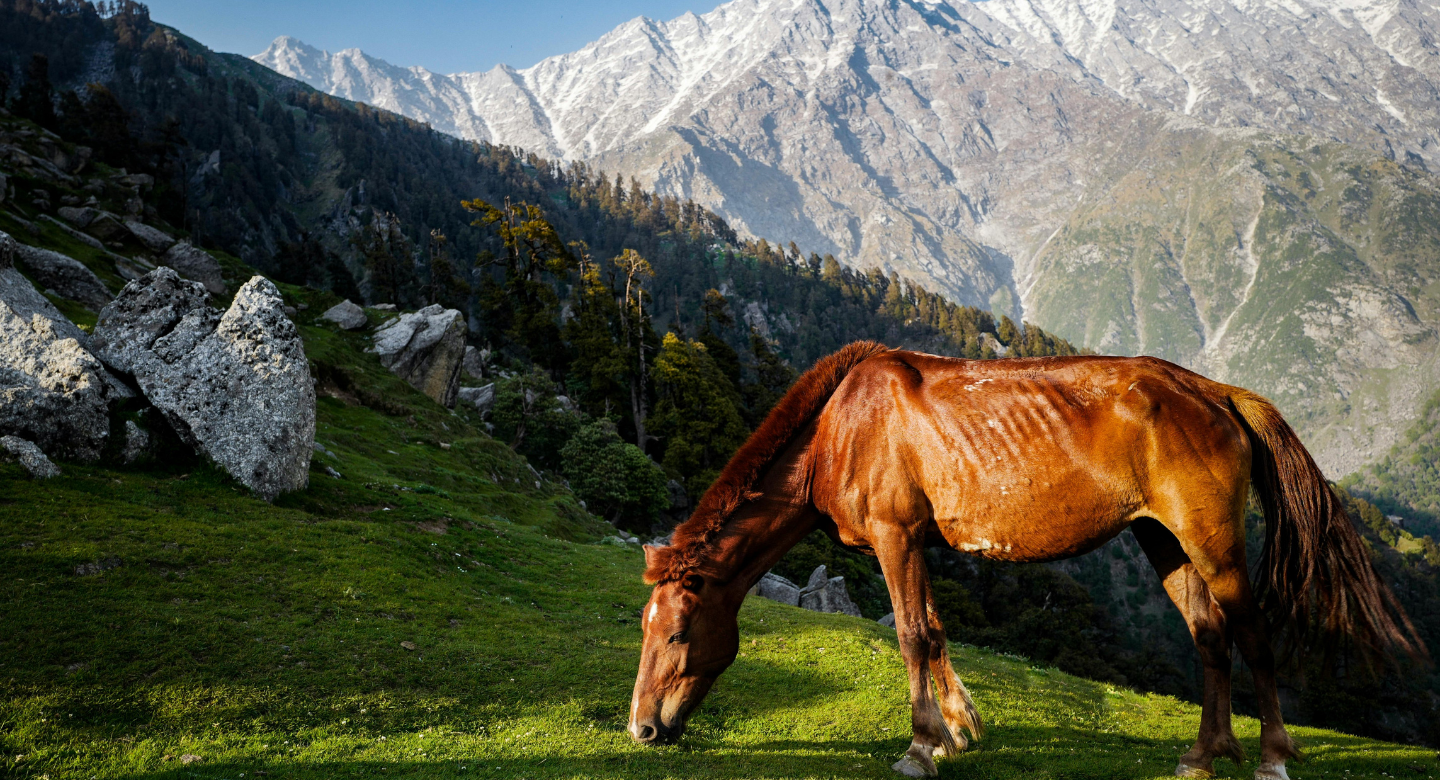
1315 569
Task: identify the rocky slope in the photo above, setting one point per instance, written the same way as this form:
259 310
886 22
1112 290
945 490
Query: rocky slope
1122 173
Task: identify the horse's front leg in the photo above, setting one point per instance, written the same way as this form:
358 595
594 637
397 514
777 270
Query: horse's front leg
901 555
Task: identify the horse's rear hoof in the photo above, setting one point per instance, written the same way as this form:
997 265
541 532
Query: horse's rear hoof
1185 770
1271 771
912 767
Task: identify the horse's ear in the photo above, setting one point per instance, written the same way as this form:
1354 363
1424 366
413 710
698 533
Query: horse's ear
657 561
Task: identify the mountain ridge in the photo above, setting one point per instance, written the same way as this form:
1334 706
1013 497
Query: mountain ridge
963 145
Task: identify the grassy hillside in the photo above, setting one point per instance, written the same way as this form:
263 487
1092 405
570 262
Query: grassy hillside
440 611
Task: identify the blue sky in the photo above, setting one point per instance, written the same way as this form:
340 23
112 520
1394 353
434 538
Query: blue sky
445 36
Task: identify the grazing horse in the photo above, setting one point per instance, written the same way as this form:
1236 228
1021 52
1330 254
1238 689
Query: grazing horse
1031 459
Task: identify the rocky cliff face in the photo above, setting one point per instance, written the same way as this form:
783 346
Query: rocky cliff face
1127 174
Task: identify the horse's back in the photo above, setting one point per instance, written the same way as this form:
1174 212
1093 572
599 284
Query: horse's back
1025 459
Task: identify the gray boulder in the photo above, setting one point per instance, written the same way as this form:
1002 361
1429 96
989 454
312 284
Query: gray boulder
474 363
347 315
68 277
827 594
236 386
77 215
154 239
777 588
105 226
196 265
482 397
52 391
679 500
425 348
888 621
29 456
145 309
24 300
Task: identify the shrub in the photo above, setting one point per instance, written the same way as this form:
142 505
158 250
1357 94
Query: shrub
614 479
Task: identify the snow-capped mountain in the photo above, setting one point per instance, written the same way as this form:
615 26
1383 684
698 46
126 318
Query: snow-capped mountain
1129 173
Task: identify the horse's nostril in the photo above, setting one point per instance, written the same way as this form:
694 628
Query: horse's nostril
647 733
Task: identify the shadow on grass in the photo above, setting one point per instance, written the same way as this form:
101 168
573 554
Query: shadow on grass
1012 753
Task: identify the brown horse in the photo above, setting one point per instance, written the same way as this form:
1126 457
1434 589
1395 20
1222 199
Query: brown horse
1019 460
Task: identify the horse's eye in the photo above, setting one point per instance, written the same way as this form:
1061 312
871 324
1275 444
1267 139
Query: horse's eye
678 637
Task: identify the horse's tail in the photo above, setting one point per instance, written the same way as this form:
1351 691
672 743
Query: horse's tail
736 483
1314 563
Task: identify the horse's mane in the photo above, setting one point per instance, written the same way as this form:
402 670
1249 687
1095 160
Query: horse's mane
800 405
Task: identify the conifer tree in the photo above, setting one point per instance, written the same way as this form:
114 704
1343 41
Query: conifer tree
523 306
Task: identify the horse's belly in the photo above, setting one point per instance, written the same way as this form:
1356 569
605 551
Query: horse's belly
1029 520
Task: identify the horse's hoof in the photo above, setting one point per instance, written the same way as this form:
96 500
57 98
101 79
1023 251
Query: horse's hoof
1271 771
1185 770
911 767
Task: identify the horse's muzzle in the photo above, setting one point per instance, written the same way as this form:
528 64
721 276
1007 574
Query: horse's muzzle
654 733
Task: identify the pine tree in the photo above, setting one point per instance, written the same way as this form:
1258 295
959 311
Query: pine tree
523 305
445 286
635 326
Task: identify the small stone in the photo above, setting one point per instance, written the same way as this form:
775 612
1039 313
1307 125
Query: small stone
888 621
30 457
346 315
190 758
137 443
333 473
408 645
384 307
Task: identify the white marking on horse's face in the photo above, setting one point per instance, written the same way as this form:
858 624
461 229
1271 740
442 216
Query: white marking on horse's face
968 547
985 544
653 609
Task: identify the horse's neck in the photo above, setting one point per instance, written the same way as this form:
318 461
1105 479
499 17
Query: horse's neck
760 533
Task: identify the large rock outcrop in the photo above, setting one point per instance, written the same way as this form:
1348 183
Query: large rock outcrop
821 594
827 594
52 391
425 348
235 386
67 276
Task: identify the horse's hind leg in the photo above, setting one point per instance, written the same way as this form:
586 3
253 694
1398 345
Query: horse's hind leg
901 555
1230 585
1211 633
955 702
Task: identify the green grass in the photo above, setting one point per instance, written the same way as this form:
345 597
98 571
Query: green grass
158 612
